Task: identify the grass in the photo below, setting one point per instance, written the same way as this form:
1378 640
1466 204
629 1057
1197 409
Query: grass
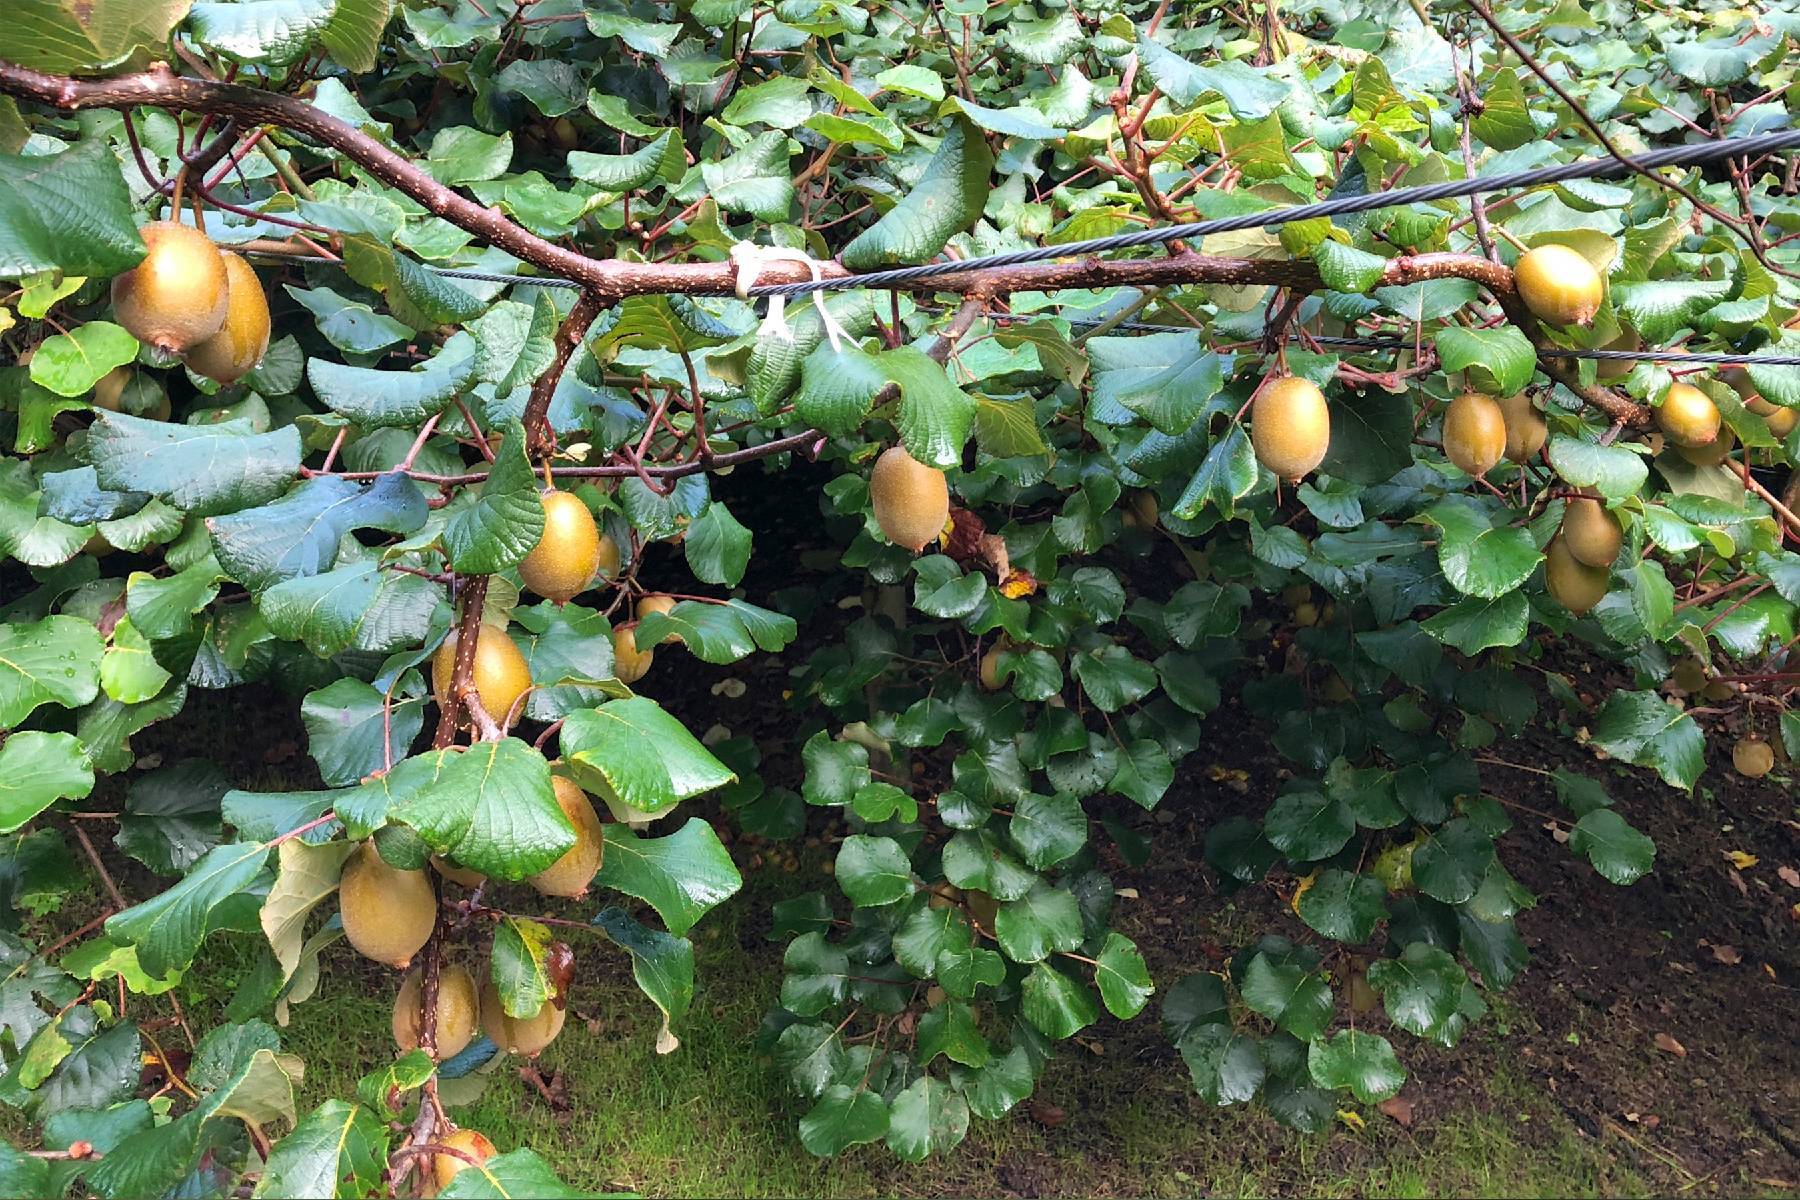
711 1119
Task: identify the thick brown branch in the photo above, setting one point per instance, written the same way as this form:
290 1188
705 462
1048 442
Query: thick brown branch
540 438
468 636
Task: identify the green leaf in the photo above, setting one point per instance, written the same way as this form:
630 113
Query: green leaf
1048 829
660 158
1122 977
1422 991
719 633
951 1029
57 35
510 1176
1482 554
506 521
935 414
662 965
838 387
167 928
717 546
873 870
947 199
1644 729
1344 268
835 770
1620 853
1249 93
1168 379
1616 472
1308 825
355 605
634 752
816 975
395 399
1056 1005
1342 904
1660 308
754 180
1363 1062
1044 921
300 533
417 296
262 31
1452 860
1504 121
489 807
337 1149
55 660
204 469
1111 677
129 672
682 876
1296 999
353 35
353 731
843 1117
305 876
520 970
1224 1064
71 363
928 1117
36 770
780 103
1474 624
1226 475
1500 360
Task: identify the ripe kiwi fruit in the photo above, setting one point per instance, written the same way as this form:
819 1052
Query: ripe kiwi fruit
1571 582
1687 416
1590 532
519 1035
657 602
1753 757
1290 427
1558 285
629 663
110 387
388 912
1689 675
1781 422
466 876
1474 432
445 1167
570 874
911 500
1714 452
983 907
500 677
563 563
458 1009
988 669
228 355
178 296
1141 511
1526 430
1618 368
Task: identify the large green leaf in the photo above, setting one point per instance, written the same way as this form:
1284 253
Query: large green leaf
200 469
634 752
511 1176
402 399
36 770
505 521
1645 729
662 965
299 534
85 35
1251 94
52 661
682 876
1363 1062
1620 853
337 1149
490 808
1481 552
167 929
948 198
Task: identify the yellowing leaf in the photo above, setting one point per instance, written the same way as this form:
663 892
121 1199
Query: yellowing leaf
1740 860
1352 1120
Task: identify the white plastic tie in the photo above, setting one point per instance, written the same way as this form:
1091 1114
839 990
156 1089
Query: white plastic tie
751 258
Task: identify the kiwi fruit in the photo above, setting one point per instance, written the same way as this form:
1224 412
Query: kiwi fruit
466 876
519 1035
983 907
1781 422
1559 285
457 1011
1474 433
629 663
911 500
657 602
627 815
988 669
1571 582
230 354
178 296
609 557
500 676
570 874
563 563
1590 532
445 1167
1526 430
1753 757
110 387
1714 452
1688 675
1141 511
388 912
1687 416
1290 427
1618 368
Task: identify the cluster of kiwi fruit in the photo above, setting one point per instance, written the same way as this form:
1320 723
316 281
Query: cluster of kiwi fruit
190 299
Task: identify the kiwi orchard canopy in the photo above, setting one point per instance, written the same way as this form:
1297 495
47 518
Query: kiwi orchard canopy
420 359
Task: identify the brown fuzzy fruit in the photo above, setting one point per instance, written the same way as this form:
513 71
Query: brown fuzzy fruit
388 913
563 563
466 876
228 355
1753 757
500 677
1590 532
911 500
1558 285
1714 452
445 1167
458 1008
1618 368
1688 675
609 556
983 907
1290 426
519 1035
629 663
110 387
1738 380
1571 582
1781 422
570 874
1687 416
1526 430
657 602
988 669
1474 432
178 296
